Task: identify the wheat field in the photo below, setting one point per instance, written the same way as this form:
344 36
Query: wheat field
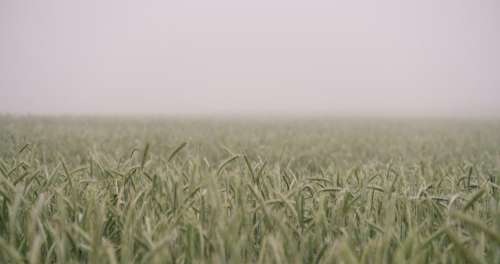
249 190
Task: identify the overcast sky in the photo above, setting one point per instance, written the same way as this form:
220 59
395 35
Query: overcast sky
422 57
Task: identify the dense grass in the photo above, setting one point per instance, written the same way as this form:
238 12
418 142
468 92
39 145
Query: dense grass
109 190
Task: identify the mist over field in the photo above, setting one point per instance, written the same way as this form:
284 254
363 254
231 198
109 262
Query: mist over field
357 132
423 58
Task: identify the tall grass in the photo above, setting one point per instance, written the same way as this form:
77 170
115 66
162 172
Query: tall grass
104 190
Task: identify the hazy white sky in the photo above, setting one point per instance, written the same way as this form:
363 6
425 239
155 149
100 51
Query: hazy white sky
422 57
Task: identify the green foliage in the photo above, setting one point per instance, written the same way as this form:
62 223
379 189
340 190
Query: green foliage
171 190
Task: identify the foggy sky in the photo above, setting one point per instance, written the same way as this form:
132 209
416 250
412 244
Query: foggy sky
425 57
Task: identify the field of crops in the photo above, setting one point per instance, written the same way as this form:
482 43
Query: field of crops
249 190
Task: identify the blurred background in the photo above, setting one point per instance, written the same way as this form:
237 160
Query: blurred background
366 58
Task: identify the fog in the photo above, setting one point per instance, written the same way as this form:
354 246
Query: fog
424 58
